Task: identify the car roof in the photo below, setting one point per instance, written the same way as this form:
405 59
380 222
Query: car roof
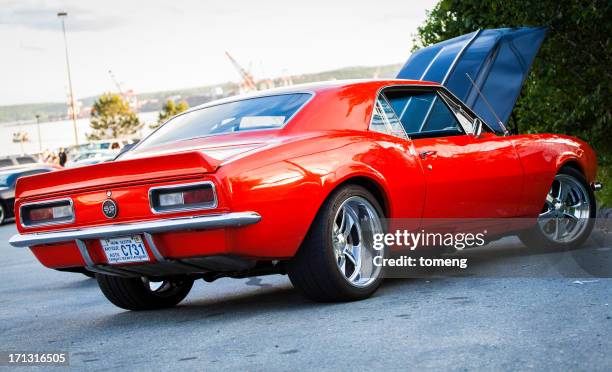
16 156
315 88
23 168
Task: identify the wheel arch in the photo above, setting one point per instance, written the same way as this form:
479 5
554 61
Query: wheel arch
572 163
370 184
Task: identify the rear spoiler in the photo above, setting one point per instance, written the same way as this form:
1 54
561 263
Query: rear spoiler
119 172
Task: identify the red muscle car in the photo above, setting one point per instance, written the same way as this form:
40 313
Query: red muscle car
296 181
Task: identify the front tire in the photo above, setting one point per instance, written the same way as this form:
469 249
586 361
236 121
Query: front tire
3 212
335 261
142 294
567 218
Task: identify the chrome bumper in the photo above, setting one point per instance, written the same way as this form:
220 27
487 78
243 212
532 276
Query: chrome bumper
146 228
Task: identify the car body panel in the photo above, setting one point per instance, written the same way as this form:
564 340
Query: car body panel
285 176
497 60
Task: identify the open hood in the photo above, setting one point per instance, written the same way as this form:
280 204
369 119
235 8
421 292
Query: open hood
498 61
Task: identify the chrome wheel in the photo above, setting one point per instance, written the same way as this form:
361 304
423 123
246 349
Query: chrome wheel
355 224
2 214
566 212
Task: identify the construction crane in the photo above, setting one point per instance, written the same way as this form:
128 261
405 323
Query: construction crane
128 95
112 76
247 80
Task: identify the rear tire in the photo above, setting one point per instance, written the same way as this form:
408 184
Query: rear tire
567 218
138 294
334 262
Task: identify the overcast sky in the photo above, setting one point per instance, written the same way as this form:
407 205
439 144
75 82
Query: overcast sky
158 45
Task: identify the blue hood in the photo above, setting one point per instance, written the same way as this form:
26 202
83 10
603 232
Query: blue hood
498 61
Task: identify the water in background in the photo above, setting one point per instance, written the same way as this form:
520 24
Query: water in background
54 134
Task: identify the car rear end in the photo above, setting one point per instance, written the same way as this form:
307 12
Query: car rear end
134 217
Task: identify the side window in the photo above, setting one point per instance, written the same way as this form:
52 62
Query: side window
384 119
6 162
424 114
392 119
25 160
465 119
378 123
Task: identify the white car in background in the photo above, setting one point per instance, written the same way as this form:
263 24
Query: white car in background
91 157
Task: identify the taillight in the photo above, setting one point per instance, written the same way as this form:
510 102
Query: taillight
192 196
47 212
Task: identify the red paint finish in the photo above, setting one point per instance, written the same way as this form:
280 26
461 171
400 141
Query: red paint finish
285 176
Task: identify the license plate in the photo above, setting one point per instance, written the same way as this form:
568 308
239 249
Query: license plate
124 249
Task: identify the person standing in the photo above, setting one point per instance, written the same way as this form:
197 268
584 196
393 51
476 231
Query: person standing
62 156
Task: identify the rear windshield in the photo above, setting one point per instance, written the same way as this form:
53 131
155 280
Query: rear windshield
270 112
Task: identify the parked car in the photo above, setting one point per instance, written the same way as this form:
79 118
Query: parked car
76 153
8 179
14 160
90 158
297 181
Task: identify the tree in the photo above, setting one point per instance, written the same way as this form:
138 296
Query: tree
169 109
111 117
568 89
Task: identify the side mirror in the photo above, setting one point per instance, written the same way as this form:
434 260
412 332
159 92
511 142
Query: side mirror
477 127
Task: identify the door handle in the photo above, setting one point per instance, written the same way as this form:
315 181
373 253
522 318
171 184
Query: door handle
425 154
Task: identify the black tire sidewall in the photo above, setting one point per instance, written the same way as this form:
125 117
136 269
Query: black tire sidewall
314 269
133 293
4 212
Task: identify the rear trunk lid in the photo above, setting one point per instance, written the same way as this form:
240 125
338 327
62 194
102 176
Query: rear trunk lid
120 172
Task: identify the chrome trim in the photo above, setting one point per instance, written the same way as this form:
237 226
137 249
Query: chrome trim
43 203
433 88
213 205
215 221
156 253
84 253
597 186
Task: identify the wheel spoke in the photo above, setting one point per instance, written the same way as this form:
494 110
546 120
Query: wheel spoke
350 256
348 225
560 228
563 191
548 214
355 257
342 213
570 215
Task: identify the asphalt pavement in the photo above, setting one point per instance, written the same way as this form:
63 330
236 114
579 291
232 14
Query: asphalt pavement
512 310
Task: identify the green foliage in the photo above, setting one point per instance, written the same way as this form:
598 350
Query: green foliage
169 109
568 88
111 117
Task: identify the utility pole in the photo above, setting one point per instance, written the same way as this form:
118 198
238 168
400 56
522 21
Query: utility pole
62 16
39 137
